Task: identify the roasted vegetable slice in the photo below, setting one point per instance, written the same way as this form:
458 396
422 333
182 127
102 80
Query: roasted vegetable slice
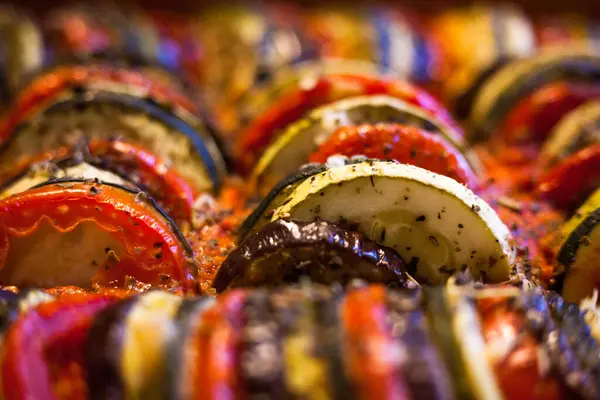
215 357
126 346
289 78
180 348
264 210
575 131
567 184
292 147
305 363
285 250
579 251
376 371
172 136
512 350
43 351
437 225
533 117
439 315
73 232
422 366
253 140
467 330
405 144
517 80
127 160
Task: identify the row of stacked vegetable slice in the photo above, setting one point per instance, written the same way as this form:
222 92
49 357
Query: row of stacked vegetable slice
115 181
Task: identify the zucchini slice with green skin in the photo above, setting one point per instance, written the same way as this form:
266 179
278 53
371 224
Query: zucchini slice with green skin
576 130
579 251
71 167
134 339
176 137
439 315
286 250
264 210
518 79
292 148
180 346
261 96
467 330
437 225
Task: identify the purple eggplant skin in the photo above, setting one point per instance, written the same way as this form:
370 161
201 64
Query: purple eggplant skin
284 250
262 363
103 349
424 372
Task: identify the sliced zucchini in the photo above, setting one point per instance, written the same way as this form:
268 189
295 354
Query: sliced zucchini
439 315
146 330
467 330
177 137
579 251
264 210
284 251
72 168
180 346
520 78
576 130
437 225
303 74
292 148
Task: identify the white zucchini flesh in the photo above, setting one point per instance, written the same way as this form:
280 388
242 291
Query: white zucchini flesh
51 257
149 326
429 219
42 174
292 148
105 121
467 330
583 264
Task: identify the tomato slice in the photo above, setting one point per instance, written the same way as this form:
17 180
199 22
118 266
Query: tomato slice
513 352
534 116
72 232
43 350
253 140
406 144
133 162
371 361
567 184
47 86
215 352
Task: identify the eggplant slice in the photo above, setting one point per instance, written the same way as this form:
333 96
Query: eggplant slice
437 225
177 137
285 250
518 79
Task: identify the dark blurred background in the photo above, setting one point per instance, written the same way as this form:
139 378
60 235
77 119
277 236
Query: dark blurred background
531 6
